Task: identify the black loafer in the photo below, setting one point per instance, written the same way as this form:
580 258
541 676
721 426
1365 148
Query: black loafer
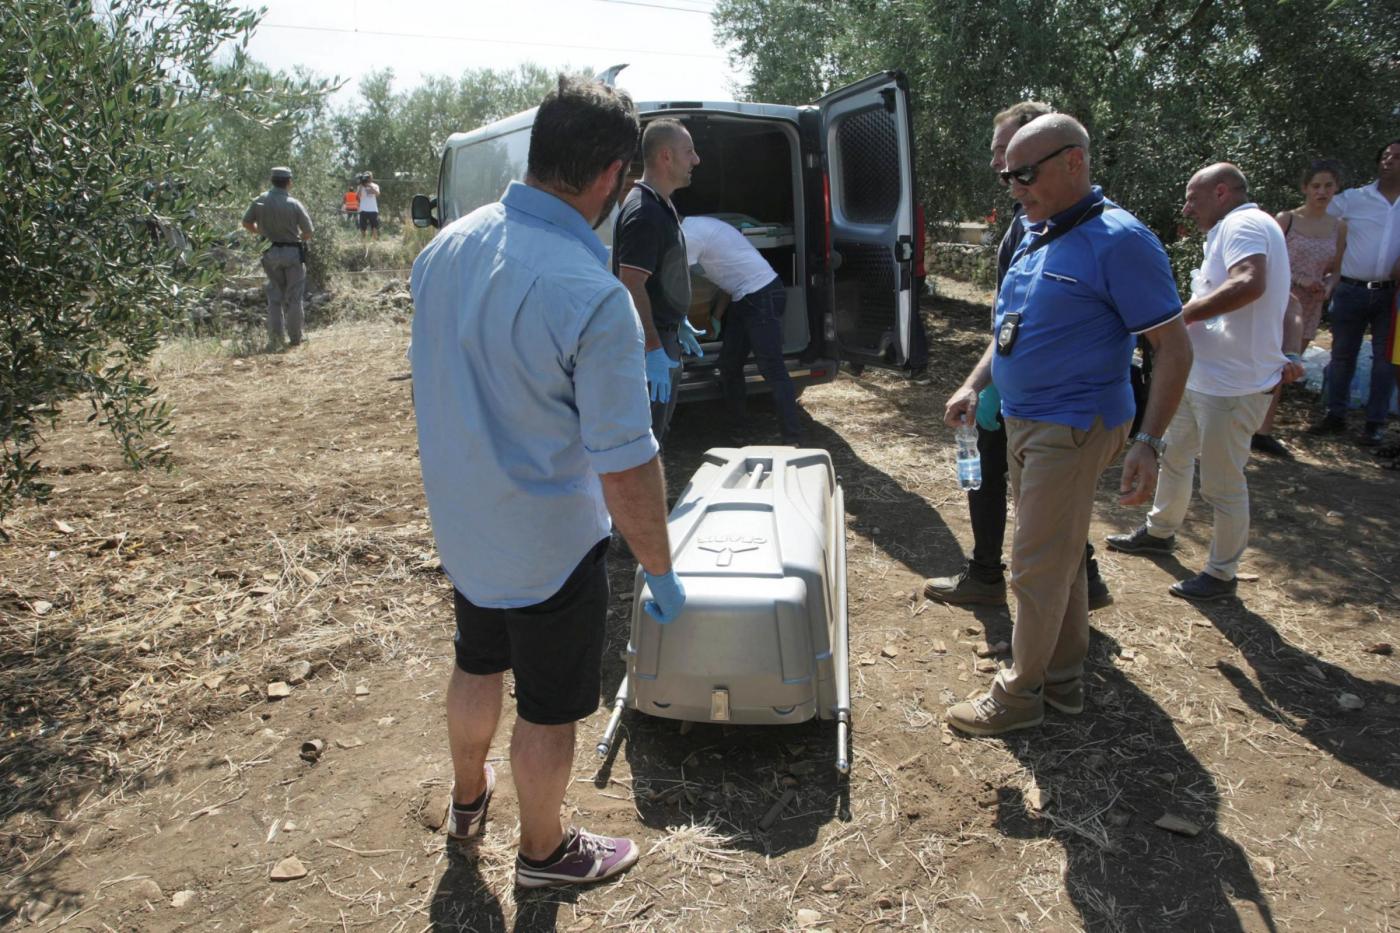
1203 588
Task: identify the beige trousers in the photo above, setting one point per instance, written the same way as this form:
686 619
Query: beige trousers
1055 471
1217 430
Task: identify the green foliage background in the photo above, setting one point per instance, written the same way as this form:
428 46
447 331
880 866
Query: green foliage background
134 134
1164 87
108 206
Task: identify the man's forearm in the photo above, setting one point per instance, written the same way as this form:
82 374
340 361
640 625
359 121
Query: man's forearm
642 302
981 375
1171 364
1293 327
637 500
250 226
1245 284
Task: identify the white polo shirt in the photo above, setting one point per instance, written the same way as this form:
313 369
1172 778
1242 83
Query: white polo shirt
1241 352
1373 232
728 258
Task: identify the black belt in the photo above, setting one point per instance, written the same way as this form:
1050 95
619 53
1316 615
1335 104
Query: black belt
293 245
1362 283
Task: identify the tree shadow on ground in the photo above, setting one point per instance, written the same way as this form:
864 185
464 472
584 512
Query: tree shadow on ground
51 755
1301 691
1108 775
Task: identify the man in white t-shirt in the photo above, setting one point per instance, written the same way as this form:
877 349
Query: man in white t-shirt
368 191
753 320
1235 319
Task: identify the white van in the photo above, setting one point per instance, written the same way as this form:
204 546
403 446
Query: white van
826 193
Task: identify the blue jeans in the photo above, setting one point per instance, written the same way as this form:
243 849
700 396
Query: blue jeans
1354 309
755 323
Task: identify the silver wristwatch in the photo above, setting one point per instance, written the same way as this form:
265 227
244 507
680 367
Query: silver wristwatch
1156 443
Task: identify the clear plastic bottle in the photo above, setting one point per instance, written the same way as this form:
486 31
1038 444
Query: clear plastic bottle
969 460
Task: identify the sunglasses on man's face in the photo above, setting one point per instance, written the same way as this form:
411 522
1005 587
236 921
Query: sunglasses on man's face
1026 174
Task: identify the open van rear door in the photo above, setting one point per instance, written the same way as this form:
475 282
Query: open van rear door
868 151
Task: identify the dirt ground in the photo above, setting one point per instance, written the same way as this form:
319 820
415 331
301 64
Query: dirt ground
149 784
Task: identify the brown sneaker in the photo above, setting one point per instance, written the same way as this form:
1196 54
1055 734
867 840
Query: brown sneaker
1067 696
964 590
987 715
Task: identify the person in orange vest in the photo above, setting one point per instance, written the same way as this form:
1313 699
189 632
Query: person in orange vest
351 206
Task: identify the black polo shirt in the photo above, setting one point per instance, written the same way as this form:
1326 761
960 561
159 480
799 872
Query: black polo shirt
648 237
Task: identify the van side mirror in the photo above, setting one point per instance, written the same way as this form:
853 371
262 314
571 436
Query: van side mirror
423 207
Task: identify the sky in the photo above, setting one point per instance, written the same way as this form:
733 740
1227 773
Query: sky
668 44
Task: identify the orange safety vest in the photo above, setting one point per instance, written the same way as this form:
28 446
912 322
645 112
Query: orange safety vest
352 201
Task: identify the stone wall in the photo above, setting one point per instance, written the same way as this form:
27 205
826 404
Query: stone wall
963 261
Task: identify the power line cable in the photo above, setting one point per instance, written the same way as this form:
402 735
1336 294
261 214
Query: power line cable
703 11
552 45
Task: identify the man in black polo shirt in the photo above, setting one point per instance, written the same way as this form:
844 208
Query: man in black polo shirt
649 258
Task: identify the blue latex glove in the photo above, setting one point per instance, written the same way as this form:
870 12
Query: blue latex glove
659 367
988 407
689 345
668 597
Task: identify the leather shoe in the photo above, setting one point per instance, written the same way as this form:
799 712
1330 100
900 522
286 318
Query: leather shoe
1329 424
1141 541
1203 588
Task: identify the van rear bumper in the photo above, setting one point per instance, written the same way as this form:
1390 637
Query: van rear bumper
701 382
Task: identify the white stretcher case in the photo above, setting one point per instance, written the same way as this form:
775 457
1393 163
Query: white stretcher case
758 538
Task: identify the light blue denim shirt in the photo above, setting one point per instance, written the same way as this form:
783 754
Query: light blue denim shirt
528 383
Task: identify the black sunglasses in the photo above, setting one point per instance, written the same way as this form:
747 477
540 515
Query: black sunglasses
1025 175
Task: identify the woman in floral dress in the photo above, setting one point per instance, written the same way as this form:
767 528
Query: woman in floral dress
1316 241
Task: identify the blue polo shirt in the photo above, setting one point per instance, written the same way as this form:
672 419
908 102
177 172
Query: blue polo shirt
1081 298
528 382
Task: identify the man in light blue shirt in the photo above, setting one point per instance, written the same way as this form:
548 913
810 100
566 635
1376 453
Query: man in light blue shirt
535 434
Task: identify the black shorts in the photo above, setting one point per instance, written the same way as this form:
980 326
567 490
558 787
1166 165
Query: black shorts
555 647
369 219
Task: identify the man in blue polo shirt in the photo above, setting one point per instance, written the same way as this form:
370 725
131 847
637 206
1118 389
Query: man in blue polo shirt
534 436
1084 280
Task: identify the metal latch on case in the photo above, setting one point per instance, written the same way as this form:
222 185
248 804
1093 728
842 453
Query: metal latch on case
719 704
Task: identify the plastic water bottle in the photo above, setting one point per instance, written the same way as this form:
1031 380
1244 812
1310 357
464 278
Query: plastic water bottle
969 460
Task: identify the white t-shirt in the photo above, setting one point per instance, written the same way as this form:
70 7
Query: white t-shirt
728 258
369 200
1241 352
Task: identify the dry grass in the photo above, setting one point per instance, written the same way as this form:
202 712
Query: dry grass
137 638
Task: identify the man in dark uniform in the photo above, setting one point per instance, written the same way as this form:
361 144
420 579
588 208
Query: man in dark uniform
283 220
649 257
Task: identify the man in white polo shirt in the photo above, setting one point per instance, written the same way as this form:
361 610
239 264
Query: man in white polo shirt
753 320
1235 319
1365 296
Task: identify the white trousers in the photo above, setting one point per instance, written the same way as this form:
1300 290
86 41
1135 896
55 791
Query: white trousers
1216 430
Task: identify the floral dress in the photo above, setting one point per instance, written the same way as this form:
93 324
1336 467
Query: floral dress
1308 257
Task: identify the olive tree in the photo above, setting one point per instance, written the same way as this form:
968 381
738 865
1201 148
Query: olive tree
1163 88
107 206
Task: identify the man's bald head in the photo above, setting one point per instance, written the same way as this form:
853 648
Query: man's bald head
1223 173
1053 131
1055 150
1213 192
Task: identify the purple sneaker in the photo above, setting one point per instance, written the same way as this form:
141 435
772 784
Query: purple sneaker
466 823
587 858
